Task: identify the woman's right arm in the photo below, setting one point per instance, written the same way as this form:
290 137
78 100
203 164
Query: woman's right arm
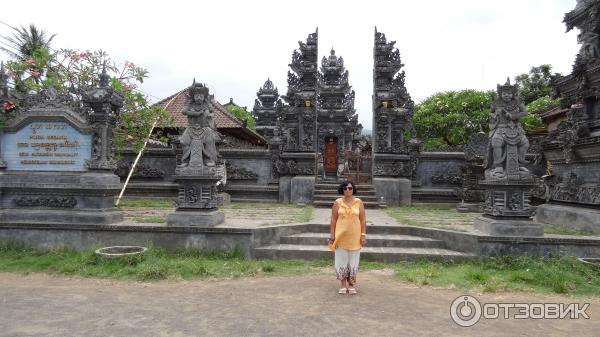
334 216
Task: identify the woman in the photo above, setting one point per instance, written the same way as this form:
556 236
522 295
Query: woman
347 235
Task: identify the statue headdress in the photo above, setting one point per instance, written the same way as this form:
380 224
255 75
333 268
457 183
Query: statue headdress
514 89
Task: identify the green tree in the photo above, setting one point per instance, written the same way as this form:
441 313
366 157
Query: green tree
535 84
242 115
26 41
450 118
542 105
72 72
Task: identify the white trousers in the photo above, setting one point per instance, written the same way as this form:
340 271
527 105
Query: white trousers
346 264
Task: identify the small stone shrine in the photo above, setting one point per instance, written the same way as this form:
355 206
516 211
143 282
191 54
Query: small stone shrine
57 156
267 108
197 174
395 158
574 149
507 183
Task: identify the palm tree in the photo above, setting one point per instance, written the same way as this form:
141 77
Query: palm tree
25 42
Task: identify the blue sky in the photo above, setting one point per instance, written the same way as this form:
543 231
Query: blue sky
233 46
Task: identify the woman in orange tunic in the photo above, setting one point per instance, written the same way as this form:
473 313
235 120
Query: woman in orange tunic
347 236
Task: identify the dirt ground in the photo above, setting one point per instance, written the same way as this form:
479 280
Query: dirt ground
43 305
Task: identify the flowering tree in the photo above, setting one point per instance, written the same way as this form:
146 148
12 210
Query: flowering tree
72 72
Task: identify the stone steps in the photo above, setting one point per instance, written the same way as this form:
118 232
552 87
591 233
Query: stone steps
384 243
375 240
381 254
326 192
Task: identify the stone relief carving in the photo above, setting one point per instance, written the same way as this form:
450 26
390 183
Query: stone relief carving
141 171
239 173
52 202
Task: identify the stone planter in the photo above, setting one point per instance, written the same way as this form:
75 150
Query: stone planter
120 251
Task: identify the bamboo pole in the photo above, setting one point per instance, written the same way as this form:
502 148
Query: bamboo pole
139 155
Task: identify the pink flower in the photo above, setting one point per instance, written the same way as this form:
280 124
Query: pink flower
31 62
35 73
84 54
8 105
129 64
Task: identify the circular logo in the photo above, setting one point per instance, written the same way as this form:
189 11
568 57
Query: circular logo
465 310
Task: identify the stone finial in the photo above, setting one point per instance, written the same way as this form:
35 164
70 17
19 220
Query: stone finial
104 77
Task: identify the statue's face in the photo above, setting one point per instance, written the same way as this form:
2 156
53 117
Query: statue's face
199 97
507 96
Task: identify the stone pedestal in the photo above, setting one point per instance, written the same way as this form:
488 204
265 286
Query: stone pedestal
67 198
507 209
197 200
580 218
498 226
301 189
394 191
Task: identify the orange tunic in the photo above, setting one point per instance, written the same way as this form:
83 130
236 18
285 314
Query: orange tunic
347 227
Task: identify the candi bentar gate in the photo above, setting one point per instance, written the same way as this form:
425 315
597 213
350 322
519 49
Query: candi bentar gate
313 129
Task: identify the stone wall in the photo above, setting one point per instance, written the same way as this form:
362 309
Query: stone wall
249 173
438 175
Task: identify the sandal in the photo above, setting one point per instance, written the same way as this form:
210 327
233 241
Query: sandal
352 291
342 291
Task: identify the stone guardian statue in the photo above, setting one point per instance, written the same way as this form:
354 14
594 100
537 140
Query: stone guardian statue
508 142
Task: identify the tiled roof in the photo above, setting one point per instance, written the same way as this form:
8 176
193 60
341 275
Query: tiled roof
176 104
553 113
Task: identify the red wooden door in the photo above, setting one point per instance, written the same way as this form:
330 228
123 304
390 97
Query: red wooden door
330 154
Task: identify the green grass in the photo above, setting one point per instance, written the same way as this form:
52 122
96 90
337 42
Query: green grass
431 216
564 230
146 203
155 264
148 219
562 275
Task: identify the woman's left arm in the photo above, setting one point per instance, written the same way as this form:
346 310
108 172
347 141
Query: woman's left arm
363 224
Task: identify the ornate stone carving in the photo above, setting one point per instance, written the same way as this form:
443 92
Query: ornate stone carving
507 183
200 137
336 115
52 202
508 143
392 107
141 171
573 189
394 169
267 108
292 167
392 104
444 178
239 173
105 103
297 118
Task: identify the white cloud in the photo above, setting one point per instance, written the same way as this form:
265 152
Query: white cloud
235 45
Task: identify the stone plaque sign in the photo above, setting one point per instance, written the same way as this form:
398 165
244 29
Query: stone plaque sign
46 146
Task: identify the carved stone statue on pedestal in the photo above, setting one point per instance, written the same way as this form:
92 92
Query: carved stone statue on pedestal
507 183
198 173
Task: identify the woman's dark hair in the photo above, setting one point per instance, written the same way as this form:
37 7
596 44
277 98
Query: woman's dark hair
344 184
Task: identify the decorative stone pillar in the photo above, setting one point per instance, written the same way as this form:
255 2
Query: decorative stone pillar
197 174
507 183
105 103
